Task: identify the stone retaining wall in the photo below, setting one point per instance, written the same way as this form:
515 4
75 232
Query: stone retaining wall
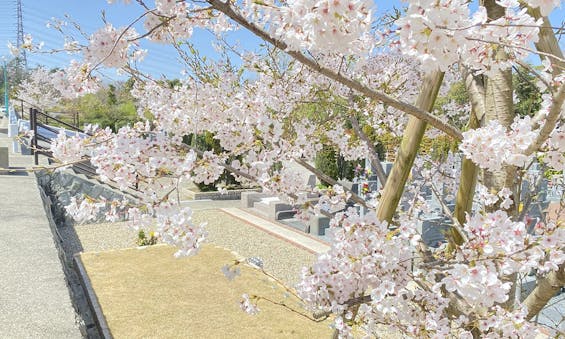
61 186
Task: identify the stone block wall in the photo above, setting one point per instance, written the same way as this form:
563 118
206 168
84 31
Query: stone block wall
61 186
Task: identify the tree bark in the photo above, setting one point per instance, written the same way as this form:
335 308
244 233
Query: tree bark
409 147
549 285
469 171
499 106
545 289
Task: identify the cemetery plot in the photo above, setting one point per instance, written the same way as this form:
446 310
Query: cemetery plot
129 285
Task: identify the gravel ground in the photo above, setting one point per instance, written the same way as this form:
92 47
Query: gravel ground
279 257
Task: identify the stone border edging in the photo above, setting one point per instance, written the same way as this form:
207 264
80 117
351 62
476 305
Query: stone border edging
99 318
215 195
278 230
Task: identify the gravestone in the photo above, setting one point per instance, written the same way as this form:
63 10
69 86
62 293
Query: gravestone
432 229
318 224
555 189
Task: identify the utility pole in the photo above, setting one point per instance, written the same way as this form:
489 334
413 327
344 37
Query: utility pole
22 58
6 105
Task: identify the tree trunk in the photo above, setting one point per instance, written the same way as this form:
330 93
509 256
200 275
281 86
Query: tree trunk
548 43
549 285
499 106
409 147
469 171
466 189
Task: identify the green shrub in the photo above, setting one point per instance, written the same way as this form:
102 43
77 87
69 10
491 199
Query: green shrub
334 165
326 161
143 240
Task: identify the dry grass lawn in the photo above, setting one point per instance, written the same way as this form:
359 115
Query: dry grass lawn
147 293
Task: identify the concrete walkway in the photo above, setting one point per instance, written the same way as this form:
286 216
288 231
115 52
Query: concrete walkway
34 299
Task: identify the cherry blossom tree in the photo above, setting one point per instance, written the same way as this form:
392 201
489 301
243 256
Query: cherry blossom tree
37 90
382 72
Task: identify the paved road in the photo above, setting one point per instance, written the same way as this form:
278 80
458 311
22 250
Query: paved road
34 300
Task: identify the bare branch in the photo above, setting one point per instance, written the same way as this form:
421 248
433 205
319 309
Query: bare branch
330 181
373 156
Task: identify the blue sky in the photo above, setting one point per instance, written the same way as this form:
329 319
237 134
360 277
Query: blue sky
36 13
160 60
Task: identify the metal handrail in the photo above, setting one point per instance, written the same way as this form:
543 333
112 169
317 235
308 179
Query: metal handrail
47 127
34 124
84 167
47 116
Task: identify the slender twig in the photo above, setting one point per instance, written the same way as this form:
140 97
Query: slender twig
535 73
533 51
118 40
456 225
282 304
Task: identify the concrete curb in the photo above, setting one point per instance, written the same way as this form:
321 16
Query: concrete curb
98 316
280 231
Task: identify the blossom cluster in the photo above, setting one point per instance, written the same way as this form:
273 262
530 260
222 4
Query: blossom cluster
555 156
366 257
168 22
441 33
493 146
75 81
175 227
87 210
110 47
369 267
342 26
38 90
67 149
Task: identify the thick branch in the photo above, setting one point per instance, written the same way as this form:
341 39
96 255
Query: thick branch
550 120
412 110
545 289
476 88
408 150
469 171
548 43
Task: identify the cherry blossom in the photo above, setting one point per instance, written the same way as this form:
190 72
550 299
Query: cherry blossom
109 46
492 146
248 306
272 112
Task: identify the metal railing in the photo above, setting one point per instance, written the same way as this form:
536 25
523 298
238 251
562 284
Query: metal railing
35 118
82 167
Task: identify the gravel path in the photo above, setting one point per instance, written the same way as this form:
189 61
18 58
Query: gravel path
279 257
